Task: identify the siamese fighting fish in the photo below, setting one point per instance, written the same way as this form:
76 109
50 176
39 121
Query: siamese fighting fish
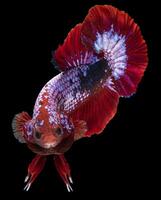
102 59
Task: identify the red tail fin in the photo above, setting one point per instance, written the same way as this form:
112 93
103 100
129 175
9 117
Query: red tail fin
113 34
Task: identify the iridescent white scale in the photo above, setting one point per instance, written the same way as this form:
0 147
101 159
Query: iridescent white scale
65 91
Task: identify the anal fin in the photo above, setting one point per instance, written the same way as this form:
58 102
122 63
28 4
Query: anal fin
97 111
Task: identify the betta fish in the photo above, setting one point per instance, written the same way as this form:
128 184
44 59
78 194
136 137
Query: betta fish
102 59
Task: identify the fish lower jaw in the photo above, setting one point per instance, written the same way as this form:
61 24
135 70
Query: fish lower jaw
49 145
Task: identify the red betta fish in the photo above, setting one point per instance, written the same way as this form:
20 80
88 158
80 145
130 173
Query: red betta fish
102 59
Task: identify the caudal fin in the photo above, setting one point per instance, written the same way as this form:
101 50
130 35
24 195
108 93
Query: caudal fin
114 35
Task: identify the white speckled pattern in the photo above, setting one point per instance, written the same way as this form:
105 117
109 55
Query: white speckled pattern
64 92
114 47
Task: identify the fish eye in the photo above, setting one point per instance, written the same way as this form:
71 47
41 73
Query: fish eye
58 131
37 135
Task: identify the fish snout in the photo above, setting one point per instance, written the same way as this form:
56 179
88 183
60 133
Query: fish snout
49 141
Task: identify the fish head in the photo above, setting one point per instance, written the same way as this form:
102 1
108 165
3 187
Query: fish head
47 136
36 131
41 135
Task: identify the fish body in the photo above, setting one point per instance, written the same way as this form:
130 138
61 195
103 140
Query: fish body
101 60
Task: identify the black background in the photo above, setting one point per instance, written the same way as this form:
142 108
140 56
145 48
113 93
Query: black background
123 159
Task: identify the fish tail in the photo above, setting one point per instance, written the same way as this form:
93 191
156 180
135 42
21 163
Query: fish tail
112 34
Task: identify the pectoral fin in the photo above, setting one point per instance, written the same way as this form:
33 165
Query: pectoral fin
18 126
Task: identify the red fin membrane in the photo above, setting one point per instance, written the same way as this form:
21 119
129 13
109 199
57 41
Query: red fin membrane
97 111
72 53
64 170
18 125
98 20
113 34
80 129
34 169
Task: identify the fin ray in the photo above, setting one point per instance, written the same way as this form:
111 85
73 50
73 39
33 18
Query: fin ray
107 31
18 125
97 111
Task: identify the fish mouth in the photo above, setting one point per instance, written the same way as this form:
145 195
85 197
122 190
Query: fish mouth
49 145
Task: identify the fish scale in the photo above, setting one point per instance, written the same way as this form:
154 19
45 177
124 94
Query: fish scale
81 84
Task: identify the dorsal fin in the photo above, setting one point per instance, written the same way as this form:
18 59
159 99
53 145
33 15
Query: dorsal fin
72 53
